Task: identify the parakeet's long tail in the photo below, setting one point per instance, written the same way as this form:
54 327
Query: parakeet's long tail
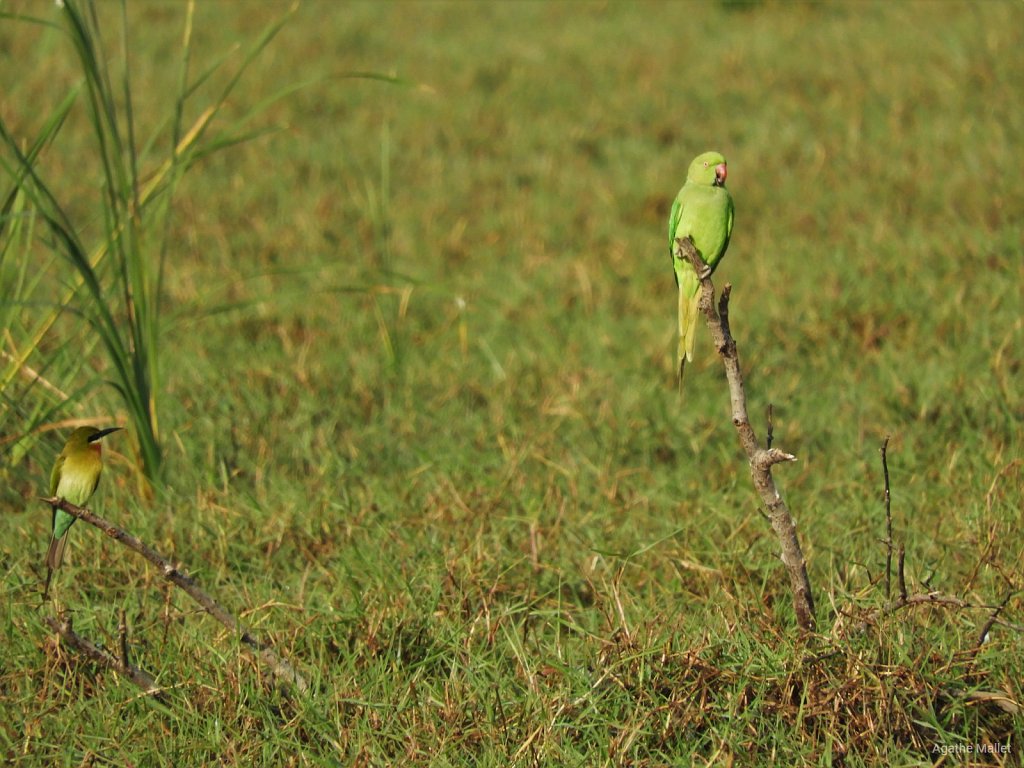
687 326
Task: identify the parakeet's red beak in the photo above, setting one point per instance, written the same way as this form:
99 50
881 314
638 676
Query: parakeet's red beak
720 174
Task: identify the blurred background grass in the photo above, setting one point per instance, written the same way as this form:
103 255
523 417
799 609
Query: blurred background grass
420 409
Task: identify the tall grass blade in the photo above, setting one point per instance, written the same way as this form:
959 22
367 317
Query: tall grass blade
123 303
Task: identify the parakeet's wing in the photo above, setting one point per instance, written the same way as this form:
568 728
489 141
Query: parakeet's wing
673 224
676 231
728 226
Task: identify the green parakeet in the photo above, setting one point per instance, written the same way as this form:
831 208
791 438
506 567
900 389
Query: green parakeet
702 211
74 478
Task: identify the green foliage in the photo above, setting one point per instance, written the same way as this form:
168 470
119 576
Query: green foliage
121 301
421 424
29 396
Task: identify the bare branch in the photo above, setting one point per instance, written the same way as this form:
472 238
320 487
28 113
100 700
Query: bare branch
761 459
280 668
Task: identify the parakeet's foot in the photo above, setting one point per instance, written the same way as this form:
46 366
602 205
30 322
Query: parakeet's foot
705 273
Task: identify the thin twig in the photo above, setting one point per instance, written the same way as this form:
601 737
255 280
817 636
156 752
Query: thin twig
280 668
888 521
901 578
761 459
940 600
951 601
992 619
122 636
771 429
984 558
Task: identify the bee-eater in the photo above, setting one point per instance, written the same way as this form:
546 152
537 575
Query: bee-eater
702 211
74 478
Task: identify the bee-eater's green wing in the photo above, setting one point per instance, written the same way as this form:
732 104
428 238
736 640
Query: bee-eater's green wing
55 552
55 474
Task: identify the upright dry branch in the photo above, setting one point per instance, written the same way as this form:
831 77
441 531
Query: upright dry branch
761 459
888 521
280 669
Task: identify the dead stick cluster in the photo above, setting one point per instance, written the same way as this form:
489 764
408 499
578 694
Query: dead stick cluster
904 600
122 666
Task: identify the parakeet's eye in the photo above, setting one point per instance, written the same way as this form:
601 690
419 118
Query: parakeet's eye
705 163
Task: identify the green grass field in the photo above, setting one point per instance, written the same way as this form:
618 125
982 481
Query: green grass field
418 412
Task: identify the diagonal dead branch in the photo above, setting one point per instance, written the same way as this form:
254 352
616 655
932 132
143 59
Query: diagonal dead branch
761 459
280 669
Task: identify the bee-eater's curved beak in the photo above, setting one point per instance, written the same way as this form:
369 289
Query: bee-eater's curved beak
103 433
